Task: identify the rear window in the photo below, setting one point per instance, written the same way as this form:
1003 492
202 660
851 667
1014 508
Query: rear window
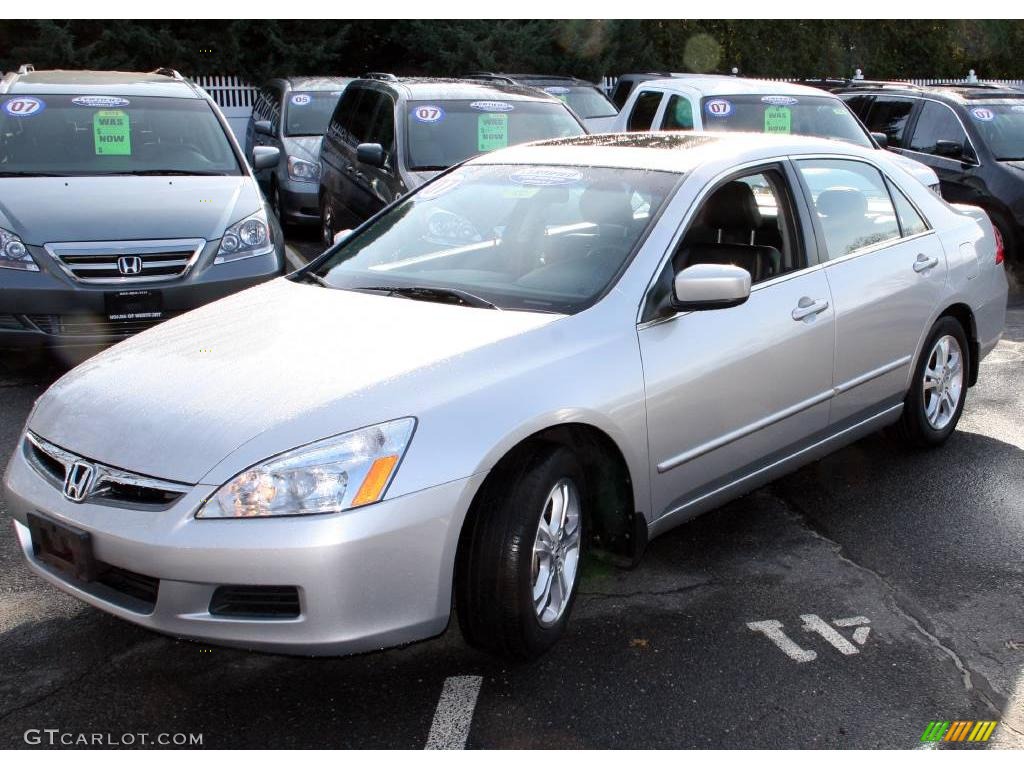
92 135
307 113
823 116
445 132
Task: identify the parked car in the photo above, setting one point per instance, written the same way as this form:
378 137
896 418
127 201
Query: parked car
584 98
723 103
549 348
124 200
388 135
972 136
624 84
292 114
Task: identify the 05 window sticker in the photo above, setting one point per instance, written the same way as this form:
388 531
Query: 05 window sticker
23 106
102 102
428 113
301 99
719 107
983 113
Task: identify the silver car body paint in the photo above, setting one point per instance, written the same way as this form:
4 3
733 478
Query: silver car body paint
686 399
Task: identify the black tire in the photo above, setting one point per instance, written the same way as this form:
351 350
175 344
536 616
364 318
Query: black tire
275 202
327 230
914 427
495 568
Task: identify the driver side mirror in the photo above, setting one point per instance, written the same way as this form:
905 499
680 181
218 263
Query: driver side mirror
264 127
265 157
710 286
951 149
370 154
881 139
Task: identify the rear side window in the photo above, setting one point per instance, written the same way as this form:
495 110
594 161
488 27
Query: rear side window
858 104
362 115
341 123
641 118
936 123
678 114
852 204
621 93
910 220
889 115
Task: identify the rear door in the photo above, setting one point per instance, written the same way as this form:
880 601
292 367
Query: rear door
680 113
885 274
937 122
644 109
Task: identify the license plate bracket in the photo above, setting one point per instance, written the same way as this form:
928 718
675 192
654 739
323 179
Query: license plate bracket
134 304
67 549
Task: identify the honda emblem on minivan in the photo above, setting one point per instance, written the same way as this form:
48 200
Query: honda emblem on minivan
129 265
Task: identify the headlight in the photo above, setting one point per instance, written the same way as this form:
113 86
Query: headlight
303 170
14 254
339 473
249 237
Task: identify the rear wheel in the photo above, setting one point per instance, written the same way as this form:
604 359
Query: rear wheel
326 222
520 556
939 388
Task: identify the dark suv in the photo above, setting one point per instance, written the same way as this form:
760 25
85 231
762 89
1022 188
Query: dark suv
389 135
584 98
292 114
971 135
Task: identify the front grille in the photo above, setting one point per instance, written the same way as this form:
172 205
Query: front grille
111 486
136 586
126 261
255 602
92 325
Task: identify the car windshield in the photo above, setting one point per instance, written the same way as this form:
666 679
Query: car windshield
307 113
824 116
1001 125
443 133
535 238
92 135
586 101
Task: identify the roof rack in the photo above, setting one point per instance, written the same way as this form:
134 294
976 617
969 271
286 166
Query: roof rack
380 76
24 69
492 77
964 84
168 72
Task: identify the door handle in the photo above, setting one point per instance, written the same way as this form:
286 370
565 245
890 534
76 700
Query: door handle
808 307
924 263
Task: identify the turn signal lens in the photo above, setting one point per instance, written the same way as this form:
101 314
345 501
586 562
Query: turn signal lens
1000 246
375 481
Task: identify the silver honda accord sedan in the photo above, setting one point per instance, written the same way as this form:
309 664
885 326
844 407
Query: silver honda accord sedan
550 350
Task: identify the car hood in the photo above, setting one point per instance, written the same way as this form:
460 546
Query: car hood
61 209
919 171
303 147
311 362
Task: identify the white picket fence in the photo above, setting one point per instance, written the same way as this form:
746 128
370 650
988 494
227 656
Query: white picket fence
233 95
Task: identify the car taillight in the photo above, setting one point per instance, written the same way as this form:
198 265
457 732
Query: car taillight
1000 248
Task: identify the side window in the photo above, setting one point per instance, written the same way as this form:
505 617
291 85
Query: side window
936 123
362 116
852 204
275 111
340 128
621 93
644 108
382 130
889 115
858 104
678 114
910 220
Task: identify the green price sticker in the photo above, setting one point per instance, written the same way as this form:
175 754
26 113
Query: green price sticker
778 120
112 132
491 132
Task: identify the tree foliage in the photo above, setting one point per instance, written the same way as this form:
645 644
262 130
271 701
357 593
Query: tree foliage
256 49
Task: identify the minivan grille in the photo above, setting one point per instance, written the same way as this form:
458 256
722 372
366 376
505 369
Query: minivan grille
92 325
126 261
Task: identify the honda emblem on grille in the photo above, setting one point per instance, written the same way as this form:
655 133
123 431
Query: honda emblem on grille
129 265
78 481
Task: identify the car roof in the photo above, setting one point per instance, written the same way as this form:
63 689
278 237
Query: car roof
954 92
676 152
315 82
440 88
90 83
528 79
728 85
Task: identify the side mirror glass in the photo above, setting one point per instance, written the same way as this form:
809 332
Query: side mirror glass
264 127
951 149
881 139
342 235
370 154
265 157
710 286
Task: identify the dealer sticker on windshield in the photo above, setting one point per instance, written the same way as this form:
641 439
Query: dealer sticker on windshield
983 113
101 102
778 120
779 101
491 132
23 106
546 177
492 106
112 134
557 90
301 99
719 108
428 113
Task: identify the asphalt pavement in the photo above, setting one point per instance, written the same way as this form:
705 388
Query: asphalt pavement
847 605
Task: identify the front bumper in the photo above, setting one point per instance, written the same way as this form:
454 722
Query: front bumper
300 201
48 308
366 579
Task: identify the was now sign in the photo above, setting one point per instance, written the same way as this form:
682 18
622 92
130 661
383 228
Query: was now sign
112 133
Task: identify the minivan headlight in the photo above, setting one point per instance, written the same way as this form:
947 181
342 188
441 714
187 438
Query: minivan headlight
14 254
246 238
303 170
349 470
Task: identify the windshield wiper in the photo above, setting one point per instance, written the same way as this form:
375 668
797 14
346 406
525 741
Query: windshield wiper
425 293
162 172
430 168
28 173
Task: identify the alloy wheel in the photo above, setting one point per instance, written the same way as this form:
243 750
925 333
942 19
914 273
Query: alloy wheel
556 552
943 382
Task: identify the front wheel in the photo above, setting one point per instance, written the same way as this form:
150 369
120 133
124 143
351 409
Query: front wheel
938 390
326 222
520 557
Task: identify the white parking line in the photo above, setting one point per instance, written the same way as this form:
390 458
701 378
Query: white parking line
454 713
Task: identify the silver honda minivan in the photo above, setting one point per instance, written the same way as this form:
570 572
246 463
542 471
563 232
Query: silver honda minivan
124 200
